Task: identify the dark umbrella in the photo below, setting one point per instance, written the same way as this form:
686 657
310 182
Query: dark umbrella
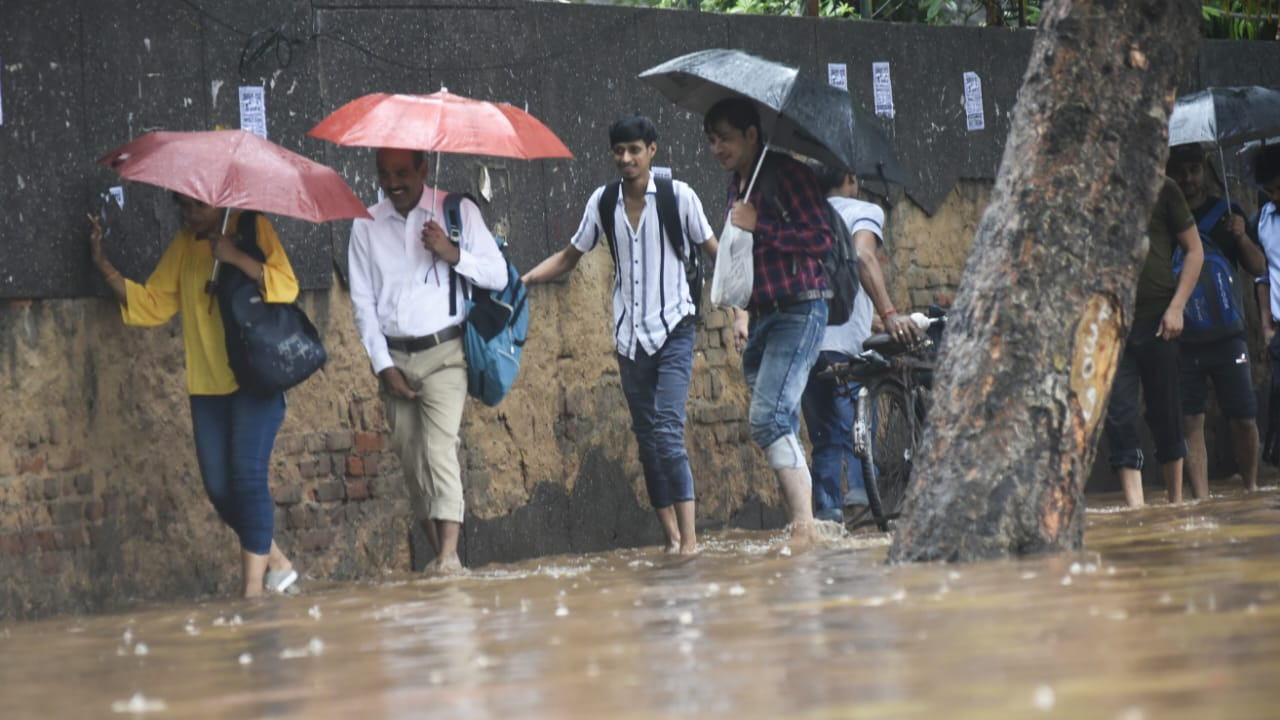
796 112
1225 116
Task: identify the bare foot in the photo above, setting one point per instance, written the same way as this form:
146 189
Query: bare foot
692 549
803 533
672 547
447 567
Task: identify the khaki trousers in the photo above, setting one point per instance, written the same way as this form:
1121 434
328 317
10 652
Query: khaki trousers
424 431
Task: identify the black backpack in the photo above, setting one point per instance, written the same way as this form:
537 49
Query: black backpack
270 346
669 222
840 265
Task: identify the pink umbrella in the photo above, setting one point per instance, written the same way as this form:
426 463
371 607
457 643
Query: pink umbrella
237 169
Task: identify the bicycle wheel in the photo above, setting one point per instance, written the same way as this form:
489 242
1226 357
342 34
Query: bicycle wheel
895 434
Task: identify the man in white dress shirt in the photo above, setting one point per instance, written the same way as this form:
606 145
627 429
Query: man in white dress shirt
653 315
412 329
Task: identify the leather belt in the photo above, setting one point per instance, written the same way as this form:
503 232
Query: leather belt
772 306
426 342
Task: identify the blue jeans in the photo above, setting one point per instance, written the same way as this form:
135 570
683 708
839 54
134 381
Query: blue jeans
781 347
657 388
234 435
828 415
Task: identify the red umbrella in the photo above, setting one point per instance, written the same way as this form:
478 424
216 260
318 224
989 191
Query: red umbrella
440 122
237 169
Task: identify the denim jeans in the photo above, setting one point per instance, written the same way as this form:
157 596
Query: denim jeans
234 435
657 389
781 347
828 415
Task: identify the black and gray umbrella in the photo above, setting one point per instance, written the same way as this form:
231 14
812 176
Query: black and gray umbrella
796 112
1225 116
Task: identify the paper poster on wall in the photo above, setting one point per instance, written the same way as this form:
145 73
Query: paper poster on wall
882 89
838 76
660 171
974 118
253 110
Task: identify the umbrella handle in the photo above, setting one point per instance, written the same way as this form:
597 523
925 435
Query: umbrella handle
212 286
759 164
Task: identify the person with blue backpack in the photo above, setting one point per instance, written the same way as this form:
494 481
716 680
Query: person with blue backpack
1213 341
654 228
411 312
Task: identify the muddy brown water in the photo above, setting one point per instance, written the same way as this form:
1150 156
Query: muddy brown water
1171 612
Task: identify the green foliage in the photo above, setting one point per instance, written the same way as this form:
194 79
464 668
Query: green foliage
1228 19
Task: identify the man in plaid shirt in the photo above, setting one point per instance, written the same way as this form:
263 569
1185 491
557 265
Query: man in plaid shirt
788 310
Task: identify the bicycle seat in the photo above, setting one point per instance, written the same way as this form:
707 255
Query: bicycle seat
867 365
884 344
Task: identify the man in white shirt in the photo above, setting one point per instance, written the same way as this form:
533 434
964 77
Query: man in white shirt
410 318
828 415
653 315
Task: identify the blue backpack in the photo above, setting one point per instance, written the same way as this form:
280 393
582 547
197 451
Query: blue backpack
497 321
1215 309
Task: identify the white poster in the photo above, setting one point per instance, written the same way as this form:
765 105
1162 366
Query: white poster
838 76
973 116
882 89
253 110
116 192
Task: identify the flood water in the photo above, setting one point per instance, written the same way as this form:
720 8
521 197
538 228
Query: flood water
1171 612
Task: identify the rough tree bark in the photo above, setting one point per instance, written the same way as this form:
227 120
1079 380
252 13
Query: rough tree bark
1047 298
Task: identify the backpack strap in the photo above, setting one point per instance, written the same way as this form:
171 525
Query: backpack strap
247 235
669 217
453 228
607 209
1211 218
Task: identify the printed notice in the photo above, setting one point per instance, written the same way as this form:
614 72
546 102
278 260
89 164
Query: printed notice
838 76
973 116
253 110
882 89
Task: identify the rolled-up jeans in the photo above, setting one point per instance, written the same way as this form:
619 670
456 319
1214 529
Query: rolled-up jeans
234 435
657 390
781 347
828 416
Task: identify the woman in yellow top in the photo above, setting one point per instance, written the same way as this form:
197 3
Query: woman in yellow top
234 429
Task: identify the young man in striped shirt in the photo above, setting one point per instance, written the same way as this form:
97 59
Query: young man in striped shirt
653 314
788 307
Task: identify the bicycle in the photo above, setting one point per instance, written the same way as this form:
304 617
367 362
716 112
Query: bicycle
893 382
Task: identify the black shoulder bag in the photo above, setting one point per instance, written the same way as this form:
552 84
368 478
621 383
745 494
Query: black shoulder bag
271 346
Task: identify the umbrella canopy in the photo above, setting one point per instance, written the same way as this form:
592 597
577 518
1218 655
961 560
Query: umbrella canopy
1225 116
797 112
237 169
440 122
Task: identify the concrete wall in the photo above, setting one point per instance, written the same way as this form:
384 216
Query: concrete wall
100 499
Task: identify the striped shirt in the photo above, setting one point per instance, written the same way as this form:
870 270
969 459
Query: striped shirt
787 255
650 293
847 338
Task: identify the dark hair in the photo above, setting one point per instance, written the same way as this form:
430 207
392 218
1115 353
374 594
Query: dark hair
740 113
1180 155
1266 167
829 177
630 128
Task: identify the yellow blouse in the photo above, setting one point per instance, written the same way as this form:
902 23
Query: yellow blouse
178 285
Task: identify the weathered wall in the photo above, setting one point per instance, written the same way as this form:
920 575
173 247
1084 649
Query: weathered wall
100 499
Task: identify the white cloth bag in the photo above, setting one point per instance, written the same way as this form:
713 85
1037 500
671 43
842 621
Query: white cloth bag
731 282
735 273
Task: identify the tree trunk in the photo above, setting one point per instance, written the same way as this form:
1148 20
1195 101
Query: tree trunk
1047 299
